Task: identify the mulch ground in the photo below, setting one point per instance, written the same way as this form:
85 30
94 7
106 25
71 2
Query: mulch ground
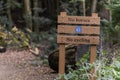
21 65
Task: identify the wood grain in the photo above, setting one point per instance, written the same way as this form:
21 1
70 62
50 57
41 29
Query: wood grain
78 39
84 29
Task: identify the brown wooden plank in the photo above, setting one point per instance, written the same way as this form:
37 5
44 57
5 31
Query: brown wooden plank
62 59
93 53
63 13
79 20
77 39
79 29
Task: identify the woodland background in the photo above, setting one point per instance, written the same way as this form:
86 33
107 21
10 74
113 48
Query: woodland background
38 18
33 23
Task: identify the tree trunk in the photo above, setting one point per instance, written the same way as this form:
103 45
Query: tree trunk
28 14
36 15
9 13
110 16
57 2
110 20
94 5
84 8
49 6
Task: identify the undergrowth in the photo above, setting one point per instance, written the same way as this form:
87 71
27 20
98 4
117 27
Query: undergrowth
103 70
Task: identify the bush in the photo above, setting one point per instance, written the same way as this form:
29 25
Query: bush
15 37
2 36
103 70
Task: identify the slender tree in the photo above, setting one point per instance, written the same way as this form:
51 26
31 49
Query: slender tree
36 15
84 8
94 5
28 14
110 16
9 12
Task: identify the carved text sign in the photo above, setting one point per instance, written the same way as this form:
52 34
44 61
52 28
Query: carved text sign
77 30
79 20
78 39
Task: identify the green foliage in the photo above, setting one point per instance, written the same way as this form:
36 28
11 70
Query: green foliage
42 22
110 33
72 7
4 7
46 40
111 29
2 33
110 72
103 71
114 7
72 1
75 7
15 38
13 4
3 17
2 37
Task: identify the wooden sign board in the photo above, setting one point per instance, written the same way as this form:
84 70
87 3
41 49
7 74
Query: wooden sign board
79 29
64 19
71 32
63 39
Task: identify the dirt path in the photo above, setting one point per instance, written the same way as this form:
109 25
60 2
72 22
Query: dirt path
20 65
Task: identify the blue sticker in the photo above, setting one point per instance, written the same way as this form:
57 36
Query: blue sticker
78 29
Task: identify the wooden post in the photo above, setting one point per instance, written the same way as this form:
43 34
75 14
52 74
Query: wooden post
92 59
62 59
93 49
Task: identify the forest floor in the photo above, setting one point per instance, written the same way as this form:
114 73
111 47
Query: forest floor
21 65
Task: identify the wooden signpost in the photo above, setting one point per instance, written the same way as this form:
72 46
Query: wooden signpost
77 30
